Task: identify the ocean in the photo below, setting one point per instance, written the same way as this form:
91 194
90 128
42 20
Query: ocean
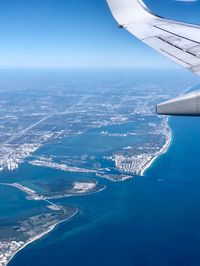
146 221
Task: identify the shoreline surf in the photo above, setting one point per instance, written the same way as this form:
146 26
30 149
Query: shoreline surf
163 149
51 228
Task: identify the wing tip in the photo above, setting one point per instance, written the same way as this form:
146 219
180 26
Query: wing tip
128 11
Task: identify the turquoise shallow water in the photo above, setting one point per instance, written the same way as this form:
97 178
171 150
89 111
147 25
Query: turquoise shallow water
153 220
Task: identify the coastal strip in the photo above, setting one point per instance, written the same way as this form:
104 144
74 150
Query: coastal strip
33 239
78 189
135 160
163 149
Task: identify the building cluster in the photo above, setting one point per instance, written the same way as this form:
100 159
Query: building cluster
12 155
7 249
61 166
134 164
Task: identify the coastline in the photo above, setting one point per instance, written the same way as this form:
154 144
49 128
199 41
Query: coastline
163 149
166 146
41 235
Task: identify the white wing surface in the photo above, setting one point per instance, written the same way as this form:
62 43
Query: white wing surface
178 41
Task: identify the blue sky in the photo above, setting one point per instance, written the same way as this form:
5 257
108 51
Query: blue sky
76 34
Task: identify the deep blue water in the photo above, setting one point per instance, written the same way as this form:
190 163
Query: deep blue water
149 221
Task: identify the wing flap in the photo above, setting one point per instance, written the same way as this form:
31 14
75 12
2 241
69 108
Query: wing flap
186 31
176 52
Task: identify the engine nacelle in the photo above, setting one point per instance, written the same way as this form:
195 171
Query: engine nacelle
184 105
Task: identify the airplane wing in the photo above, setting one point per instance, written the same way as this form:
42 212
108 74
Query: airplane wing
178 41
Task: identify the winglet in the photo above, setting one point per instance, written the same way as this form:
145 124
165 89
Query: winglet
129 11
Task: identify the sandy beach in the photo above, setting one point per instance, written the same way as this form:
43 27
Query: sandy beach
51 228
163 149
